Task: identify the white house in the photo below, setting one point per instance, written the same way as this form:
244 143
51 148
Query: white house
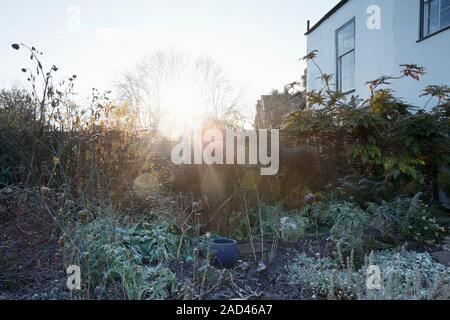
360 40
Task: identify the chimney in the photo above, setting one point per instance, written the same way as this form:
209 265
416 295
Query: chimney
308 25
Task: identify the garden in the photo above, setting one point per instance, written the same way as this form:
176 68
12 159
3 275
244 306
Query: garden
356 211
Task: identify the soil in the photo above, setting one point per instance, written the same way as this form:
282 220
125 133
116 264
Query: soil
31 264
250 279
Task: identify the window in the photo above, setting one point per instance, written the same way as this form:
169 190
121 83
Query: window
435 16
345 42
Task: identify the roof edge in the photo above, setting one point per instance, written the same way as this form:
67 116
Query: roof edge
325 17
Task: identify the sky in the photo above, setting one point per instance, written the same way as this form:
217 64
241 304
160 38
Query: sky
257 42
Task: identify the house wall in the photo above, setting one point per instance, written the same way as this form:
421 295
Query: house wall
380 52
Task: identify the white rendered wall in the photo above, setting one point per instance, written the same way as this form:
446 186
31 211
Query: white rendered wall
381 51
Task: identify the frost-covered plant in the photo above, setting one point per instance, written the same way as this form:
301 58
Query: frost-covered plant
404 275
350 224
312 272
326 277
412 275
406 219
293 228
108 261
163 282
137 281
155 243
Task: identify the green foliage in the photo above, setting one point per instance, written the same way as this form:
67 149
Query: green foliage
270 220
293 228
349 229
155 243
405 219
6 165
357 231
388 139
138 281
442 93
319 215
163 283
404 167
366 153
364 190
403 149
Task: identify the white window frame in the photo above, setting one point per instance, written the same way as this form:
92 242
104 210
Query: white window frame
340 56
425 18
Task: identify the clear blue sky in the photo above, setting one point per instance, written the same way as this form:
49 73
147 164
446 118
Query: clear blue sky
258 42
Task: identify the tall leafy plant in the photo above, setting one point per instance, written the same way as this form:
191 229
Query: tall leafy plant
382 137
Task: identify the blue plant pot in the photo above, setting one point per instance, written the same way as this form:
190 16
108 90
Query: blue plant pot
225 251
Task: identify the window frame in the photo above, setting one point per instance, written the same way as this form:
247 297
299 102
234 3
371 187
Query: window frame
339 56
422 35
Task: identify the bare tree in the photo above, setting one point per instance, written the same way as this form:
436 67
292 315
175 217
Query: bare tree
160 74
221 99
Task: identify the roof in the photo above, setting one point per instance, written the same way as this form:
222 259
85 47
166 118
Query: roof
325 17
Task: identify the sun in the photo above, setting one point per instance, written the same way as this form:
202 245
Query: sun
181 108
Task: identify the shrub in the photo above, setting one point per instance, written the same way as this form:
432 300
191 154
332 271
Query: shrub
108 260
383 138
319 212
395 222
405 219
349 229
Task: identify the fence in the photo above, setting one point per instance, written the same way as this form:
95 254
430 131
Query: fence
107 165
